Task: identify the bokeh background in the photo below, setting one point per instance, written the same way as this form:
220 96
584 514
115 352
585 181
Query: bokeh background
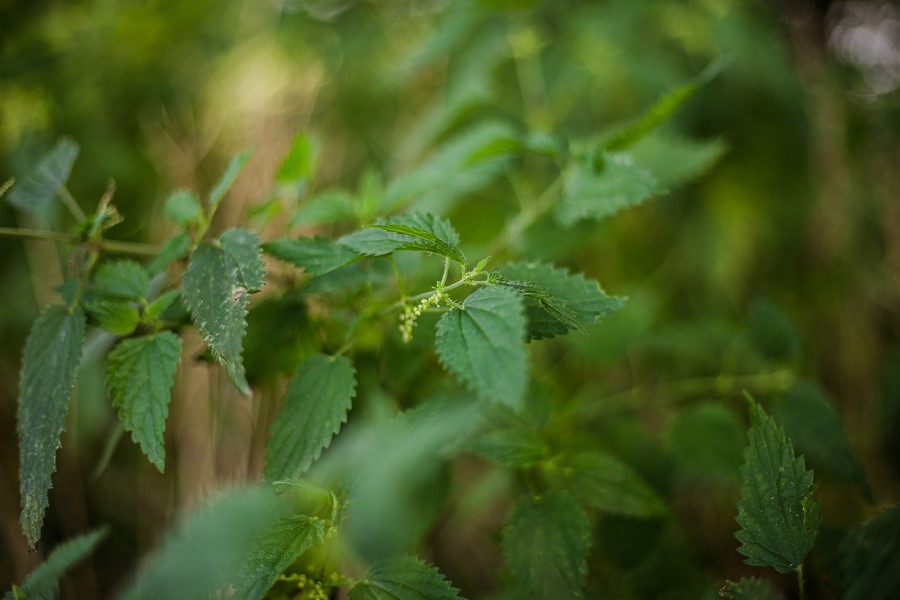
780 265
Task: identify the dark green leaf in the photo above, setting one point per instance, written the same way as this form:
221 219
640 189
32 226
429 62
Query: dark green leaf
816 430
675 160
43 582
225 182
779 519
483 345
749 589
183 207
559 301
315 255
205 554
38 187
403 578
605 483
278 547
123 279
139 376
243 257
599 192
316 405
546 542
869 558
118 317
516 447
49 368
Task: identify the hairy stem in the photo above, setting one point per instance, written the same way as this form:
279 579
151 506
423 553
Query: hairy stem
112 246
799 570
66 196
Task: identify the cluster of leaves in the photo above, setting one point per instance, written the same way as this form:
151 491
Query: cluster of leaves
299 526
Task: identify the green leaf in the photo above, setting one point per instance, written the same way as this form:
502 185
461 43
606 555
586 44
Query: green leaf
816 430
675 160
546 542
314 255
403 578
869 558
49 369
278 547
516 447
183 208
118 317
749 589
52 171
176 247
778 517
299 164
316 405
139 376
43 582
606 483
464 163
599 192
327 207
205 554
234 168
123 279
161 303
483 345
216 290
420 231
559 301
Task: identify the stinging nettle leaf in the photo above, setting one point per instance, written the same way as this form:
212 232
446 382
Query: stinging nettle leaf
546 542
49 369
597 193
314 255
123 279
606 483
403 578
422 232
177 247
216 290
43 582
870 562
326 207
139 376
316 405
183 208
676 160
483 345
559 301
278 547
53 169
516 446
118 317
299 164
234 168
779 519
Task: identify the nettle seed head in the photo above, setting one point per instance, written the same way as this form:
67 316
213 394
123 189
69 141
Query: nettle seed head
411 313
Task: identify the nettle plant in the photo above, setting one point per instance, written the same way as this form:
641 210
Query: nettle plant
314 527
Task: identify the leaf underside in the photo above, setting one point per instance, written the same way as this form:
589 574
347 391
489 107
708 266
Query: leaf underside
403 578
779 519
315 406
50 366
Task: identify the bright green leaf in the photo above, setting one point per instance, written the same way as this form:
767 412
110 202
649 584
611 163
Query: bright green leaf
161 303
546 542
326 207
779 519
314 255
183 208
606 483
749 589
205 554
599 192
43 582
565 300
278 547
403 578
49 368
869 558
299 165
483 345
123 279
234 168
139 376
420 231
316 405
118 317
38 187
216 290
816 430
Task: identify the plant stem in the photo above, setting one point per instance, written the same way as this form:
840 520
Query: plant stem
800 582
115 247
71 204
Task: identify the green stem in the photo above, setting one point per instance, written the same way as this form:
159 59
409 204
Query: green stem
446 271
112 246
800 582
71 204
